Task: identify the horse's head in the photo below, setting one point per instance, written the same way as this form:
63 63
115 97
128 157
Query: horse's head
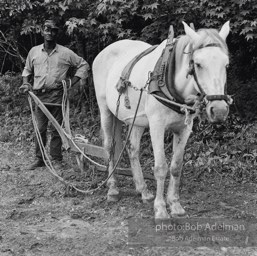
208 63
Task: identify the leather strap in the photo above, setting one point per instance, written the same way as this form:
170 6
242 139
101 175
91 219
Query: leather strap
162 81
124 79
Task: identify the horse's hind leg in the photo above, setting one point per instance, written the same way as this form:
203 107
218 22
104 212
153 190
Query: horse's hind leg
179 143
107 122
133 152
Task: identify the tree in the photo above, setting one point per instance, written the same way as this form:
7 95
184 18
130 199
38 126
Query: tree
88 26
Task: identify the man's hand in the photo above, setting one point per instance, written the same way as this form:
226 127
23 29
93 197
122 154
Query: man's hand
25 87
72 81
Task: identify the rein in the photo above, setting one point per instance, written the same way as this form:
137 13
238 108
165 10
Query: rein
161 85
68 140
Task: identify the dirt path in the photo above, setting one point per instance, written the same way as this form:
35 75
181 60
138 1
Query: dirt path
39 217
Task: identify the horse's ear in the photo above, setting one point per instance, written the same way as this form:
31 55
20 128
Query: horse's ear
224 31
190 32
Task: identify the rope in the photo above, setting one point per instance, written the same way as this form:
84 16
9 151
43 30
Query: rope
120 155
80 137
45 156
183 107
124 147
41 145
68 134
66 107
129 133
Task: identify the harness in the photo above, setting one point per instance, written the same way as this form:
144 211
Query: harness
162 79
161 82
192 72
124 82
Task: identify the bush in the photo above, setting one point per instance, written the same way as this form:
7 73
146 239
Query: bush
14 110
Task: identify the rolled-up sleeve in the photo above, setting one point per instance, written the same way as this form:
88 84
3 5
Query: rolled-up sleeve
28 69
82 67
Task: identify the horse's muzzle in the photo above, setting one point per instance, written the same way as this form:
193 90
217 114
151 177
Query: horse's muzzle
217 111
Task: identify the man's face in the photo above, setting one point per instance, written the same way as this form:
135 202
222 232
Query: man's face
49 33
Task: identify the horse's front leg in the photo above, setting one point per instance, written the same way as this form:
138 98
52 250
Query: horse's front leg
160 168
179 143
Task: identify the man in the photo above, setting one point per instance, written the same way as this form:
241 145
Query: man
48 64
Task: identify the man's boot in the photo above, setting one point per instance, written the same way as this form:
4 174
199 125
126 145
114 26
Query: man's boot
36 164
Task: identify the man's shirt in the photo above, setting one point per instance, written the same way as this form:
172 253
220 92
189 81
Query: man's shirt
49 70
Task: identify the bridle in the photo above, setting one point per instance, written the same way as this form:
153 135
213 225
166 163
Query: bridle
203 95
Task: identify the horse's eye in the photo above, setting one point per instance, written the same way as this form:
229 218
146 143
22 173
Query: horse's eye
198 65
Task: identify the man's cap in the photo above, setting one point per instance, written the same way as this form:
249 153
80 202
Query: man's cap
51 24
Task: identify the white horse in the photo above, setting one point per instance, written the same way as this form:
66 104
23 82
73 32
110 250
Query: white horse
205 52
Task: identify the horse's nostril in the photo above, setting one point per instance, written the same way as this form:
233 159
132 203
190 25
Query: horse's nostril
212 111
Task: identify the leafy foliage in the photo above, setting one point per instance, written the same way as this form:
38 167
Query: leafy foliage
225 150
15 121
91 25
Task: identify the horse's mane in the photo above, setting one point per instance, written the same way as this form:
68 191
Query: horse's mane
207 37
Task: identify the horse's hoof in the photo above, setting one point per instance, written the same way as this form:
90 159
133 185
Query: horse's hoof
113 198
147 197
176 215
176 210
161 215
147 201
113 195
